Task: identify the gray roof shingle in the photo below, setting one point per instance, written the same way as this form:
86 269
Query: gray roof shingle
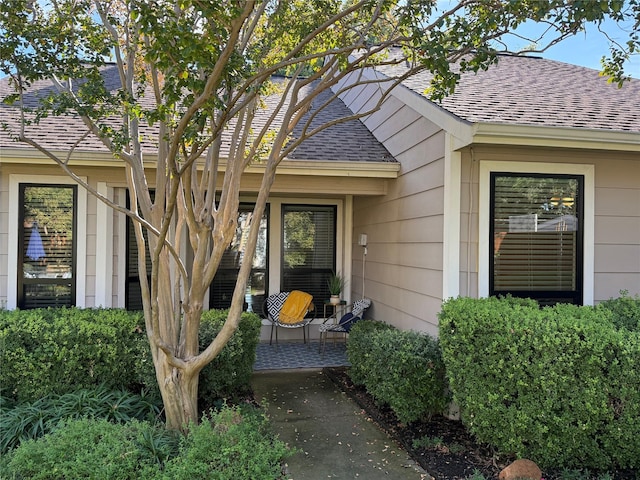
523 90
350 141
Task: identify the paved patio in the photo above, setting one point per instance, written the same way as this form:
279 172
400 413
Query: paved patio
293 355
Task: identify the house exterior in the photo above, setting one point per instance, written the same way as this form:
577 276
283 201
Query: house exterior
489 179
525 181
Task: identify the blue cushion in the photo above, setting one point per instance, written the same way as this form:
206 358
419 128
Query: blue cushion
347 321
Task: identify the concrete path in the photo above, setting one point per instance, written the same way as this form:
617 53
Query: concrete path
334 436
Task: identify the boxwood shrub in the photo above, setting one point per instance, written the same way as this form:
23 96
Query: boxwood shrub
625 310
398 368
558 385
228 375
57 351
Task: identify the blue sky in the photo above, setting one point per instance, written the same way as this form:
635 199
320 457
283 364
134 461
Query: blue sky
585 49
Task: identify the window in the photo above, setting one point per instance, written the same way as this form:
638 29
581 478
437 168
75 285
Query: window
132 289
536 236
221 290
308 248
47 245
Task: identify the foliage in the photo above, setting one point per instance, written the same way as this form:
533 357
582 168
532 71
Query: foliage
28 421
57 351
229 444
625 310
358 351
558 385
336 283
229 374
85 448
191 84
401 369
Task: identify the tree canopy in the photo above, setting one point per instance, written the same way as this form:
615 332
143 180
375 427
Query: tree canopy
205 89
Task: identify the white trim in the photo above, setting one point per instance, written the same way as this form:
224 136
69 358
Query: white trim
588 171
12 242
275 234
104 248
451 223
347 266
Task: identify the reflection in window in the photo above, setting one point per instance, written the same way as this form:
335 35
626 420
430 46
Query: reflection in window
536 237
47 246
309 249
221 290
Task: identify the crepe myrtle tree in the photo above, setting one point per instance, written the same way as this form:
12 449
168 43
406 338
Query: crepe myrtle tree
196 96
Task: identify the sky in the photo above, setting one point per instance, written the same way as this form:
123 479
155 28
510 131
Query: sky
584 49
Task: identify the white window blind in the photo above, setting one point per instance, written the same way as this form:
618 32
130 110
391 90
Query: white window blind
536 235
47 246
309 249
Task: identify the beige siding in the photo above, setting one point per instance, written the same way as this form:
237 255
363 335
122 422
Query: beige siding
616 213
403 266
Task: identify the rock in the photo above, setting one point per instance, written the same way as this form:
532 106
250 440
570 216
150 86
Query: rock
521 469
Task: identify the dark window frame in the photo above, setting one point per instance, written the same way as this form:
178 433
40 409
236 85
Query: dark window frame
544 297
21 280
256 306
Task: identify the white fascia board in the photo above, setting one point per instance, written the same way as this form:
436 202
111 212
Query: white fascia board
563 137
464 133
333 168
460 130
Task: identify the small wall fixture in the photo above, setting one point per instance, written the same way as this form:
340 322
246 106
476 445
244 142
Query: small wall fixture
362 240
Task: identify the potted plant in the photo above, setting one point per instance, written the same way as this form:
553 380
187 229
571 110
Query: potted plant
336 283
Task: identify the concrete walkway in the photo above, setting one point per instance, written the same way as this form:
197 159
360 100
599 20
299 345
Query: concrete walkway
334 437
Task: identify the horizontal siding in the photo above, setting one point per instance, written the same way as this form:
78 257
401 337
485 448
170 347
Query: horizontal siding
403 267
616 213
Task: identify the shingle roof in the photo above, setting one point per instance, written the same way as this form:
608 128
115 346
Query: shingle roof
350 141
522 90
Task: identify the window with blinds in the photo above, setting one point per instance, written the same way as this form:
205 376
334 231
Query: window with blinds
221 290
47 242
133 290
536 237
309 249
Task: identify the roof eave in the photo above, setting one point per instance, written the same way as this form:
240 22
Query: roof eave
320 168
557 137
465 133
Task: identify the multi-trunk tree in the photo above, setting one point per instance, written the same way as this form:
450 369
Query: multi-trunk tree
205 89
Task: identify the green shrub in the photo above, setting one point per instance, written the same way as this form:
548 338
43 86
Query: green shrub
32 420
230 444
229 373
625 311
84 448
359 348
56 351
558 385
401 369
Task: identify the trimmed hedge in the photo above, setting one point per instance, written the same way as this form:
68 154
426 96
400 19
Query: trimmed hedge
228 375
558 385
625 310
398 368
57 351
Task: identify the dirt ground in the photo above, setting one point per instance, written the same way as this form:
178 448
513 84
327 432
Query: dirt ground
443 447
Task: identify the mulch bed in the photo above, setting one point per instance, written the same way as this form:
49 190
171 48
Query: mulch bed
446 450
